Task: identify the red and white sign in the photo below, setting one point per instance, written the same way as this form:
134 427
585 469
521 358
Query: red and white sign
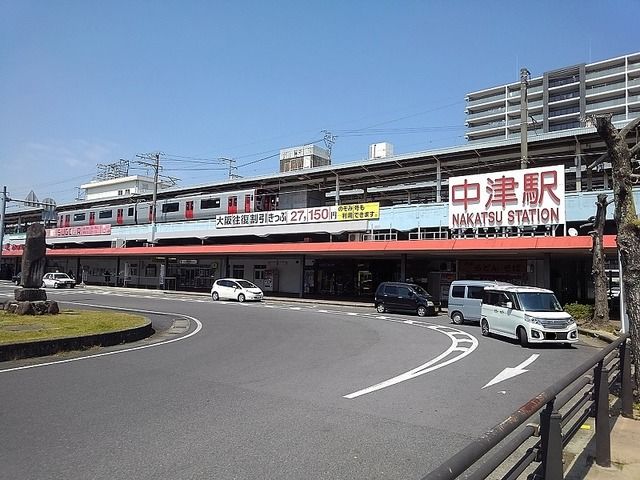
515 198
84 231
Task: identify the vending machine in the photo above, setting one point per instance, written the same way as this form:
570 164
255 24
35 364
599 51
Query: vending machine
270 280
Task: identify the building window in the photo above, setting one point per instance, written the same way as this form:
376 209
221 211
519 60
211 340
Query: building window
258 272
238 271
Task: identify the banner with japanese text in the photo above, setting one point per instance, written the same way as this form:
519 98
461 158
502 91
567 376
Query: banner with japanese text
514 198
333 213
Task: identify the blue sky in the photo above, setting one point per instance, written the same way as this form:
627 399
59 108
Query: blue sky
84 82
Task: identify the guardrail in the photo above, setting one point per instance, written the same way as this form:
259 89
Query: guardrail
563 408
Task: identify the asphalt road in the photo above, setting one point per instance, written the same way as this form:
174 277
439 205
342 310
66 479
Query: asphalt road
269 390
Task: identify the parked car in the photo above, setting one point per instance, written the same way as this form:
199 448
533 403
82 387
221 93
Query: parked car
401 296
235 289
528 314
58 280
465 299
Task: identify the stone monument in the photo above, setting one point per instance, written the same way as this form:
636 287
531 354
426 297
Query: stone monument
31 299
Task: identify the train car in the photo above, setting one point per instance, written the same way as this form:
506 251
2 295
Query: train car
191 207
104 215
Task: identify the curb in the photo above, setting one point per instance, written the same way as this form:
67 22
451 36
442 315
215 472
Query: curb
42 348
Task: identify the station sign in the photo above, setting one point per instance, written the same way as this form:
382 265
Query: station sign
514 198
83 231
333 213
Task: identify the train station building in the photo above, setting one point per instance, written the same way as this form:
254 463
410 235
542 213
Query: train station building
316 229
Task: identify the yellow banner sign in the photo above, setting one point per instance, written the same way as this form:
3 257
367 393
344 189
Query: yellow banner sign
359 211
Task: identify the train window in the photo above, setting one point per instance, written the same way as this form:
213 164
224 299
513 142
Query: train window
105 214
130 212
210 203
170 207
79 217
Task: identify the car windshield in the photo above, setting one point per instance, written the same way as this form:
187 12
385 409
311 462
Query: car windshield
60 276
246 284
420 291
539 302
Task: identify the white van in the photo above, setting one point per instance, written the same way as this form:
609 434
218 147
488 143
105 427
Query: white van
465 299
528 314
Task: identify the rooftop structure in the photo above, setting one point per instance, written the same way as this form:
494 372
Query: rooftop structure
560 99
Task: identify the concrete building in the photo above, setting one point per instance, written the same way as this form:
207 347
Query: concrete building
560 99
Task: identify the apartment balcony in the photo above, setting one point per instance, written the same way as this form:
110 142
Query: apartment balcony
611 88
488 101
487 127
616 104
488 114
604 73
531 106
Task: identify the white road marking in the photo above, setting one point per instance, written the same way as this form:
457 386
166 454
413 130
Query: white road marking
509 372
456 348
115 352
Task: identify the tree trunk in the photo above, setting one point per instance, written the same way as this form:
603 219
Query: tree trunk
628 225
598 270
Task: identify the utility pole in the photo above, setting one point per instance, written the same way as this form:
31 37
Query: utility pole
524 83
232 167
155 158
2 213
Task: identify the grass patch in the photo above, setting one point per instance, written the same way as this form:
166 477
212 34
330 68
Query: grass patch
68 323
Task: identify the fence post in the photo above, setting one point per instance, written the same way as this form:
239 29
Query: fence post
625 380
551 440
603 442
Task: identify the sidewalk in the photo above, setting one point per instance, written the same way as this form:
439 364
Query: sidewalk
625 441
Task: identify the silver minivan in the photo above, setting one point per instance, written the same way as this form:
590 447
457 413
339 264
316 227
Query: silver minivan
465 299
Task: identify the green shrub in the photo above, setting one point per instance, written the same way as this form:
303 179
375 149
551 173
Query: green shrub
579 311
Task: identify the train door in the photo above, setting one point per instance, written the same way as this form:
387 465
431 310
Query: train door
120 216
92 218
188 209
247 203
233 204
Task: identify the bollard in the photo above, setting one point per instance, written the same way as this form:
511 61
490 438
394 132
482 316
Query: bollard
551 442
601 395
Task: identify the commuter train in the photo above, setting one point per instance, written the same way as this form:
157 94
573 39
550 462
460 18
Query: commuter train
192 207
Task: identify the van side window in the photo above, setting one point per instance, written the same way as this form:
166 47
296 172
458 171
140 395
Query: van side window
391 290
403 292
475 292
489 298
458 291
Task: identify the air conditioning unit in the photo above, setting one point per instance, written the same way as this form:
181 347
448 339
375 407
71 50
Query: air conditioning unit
118 243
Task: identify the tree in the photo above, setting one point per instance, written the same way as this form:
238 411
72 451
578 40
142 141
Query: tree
598 270
627 222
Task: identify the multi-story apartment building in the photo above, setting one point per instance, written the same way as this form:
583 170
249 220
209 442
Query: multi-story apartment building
558 100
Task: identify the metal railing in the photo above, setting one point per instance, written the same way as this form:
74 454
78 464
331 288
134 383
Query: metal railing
563 408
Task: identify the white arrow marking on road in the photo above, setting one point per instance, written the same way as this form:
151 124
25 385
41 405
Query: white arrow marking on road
512 372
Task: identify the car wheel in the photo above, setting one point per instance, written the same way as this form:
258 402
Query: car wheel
422 311
241 297
55 285
484 325
380 308
214 296
457 318
522 336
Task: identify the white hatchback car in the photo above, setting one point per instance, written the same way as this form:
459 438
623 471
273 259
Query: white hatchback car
235 289
58 280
